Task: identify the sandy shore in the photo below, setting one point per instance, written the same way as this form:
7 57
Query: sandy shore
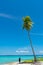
16 63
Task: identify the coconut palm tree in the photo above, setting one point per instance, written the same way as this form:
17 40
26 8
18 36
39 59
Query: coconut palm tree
27 24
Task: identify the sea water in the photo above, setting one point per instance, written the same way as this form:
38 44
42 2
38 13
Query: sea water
15 58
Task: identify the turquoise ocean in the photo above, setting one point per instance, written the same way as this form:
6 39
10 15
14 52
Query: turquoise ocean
14 58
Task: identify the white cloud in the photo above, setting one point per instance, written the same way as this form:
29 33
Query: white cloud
41 52
22 50
39 34
5 15
9 16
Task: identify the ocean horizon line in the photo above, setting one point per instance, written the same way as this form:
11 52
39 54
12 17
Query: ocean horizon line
20 55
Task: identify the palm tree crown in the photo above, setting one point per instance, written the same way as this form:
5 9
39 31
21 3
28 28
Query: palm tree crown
27 23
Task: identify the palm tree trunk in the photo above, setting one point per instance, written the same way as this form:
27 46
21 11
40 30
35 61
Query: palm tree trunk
32 46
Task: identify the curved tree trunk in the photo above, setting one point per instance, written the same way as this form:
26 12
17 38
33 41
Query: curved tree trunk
32 47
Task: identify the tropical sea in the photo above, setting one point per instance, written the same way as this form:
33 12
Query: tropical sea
14 58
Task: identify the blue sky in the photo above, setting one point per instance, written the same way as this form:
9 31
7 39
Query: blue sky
13 39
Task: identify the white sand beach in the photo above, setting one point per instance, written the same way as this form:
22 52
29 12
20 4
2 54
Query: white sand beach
16 63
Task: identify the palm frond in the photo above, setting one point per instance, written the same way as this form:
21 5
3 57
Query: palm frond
27 23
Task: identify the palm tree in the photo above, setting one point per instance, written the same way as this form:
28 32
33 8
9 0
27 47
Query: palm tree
27 25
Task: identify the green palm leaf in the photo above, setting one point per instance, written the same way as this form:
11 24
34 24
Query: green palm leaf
27 23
